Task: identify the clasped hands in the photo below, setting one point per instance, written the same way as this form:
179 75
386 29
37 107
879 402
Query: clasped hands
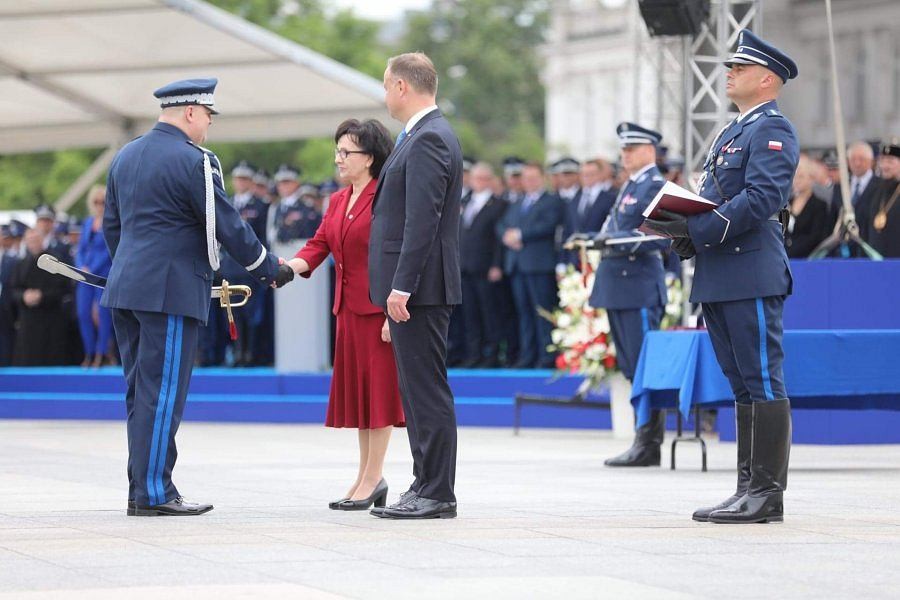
284 275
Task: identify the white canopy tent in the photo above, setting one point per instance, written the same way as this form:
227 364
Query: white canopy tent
80 73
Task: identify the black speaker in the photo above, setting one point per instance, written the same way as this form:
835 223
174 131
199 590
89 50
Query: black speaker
674 17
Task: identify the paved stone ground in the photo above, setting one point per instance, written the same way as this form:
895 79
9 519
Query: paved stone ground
540 517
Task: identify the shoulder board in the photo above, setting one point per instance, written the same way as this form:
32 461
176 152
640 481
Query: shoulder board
201 148
754 117
774 113
642 178
658 178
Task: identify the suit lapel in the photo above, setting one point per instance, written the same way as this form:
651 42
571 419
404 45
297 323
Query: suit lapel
362 204
402 148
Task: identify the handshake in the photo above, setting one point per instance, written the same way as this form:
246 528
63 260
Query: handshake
284 275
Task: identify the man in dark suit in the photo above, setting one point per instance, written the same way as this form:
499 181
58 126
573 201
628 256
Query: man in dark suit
589 211
528 230
414 274
166 209
863 186
480 261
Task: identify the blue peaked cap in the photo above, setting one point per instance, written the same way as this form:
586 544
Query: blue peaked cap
631 134
189 91
752 50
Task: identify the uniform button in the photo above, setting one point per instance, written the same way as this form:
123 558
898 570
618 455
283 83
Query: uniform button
262 278
631 257
341 265
344 281
624 273
706 245
349 216
737 248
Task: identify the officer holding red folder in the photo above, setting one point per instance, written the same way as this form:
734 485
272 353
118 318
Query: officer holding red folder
630 280
742 275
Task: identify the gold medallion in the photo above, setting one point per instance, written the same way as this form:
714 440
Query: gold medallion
880 220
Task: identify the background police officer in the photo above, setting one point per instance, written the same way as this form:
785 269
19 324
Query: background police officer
630 280
742 275
165 208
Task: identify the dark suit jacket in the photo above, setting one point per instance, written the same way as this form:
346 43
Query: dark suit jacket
810 227
347 239
479 248
538 225
414 241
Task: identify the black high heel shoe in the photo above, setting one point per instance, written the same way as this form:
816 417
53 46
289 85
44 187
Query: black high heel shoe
333 505
378 498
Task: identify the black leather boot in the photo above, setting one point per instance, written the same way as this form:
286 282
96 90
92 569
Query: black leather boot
645 451
769 457
743 418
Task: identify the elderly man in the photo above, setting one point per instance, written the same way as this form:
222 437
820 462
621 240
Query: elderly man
742 275
166 212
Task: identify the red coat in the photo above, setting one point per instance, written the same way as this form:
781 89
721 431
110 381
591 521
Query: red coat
346 237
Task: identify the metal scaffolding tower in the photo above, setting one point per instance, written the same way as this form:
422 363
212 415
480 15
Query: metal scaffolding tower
706 106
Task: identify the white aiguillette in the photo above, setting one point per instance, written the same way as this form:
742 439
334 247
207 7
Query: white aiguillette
674 198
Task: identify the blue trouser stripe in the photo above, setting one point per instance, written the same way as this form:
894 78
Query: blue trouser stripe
763 351
170 407
645 322
152 491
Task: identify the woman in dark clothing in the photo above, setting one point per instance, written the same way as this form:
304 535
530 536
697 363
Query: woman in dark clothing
41 339
810 218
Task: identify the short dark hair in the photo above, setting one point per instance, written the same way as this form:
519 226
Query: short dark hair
372 137
533 164
416 69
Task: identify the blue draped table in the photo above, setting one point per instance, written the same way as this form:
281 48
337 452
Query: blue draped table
836 369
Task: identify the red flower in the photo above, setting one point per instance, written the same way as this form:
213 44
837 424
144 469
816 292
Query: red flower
560 362
609 361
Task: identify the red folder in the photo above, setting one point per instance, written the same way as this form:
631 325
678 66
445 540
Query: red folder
676 199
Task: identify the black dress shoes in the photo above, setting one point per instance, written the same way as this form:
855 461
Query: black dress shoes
377 497
173 508
421 508
405 497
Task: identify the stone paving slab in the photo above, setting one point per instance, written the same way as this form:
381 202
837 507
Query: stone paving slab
540 517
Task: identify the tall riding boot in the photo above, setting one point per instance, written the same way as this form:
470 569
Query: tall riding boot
769 457
743 417
645 451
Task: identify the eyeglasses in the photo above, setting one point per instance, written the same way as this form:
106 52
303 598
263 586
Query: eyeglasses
343 154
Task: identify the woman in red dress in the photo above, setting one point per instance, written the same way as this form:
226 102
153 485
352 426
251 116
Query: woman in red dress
364 390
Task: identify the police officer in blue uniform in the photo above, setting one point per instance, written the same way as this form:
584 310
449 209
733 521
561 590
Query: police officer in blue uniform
742 275
166 210
294 218
248 321
630 280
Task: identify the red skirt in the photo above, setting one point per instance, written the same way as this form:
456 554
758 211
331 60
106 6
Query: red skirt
365 393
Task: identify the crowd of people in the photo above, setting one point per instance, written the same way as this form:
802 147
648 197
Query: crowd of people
509 259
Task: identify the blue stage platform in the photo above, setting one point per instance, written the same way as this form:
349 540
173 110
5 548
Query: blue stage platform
483 398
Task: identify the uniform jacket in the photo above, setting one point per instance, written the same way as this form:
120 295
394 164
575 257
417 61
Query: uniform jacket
740 247
155 227
631 275
538 224
346 238
414 241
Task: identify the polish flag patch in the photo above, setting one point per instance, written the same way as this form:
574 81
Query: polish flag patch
773 145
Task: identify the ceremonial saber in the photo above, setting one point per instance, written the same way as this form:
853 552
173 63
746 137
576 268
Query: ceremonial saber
635 239
51 264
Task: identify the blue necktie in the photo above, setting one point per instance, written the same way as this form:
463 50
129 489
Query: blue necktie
855 196
400 138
